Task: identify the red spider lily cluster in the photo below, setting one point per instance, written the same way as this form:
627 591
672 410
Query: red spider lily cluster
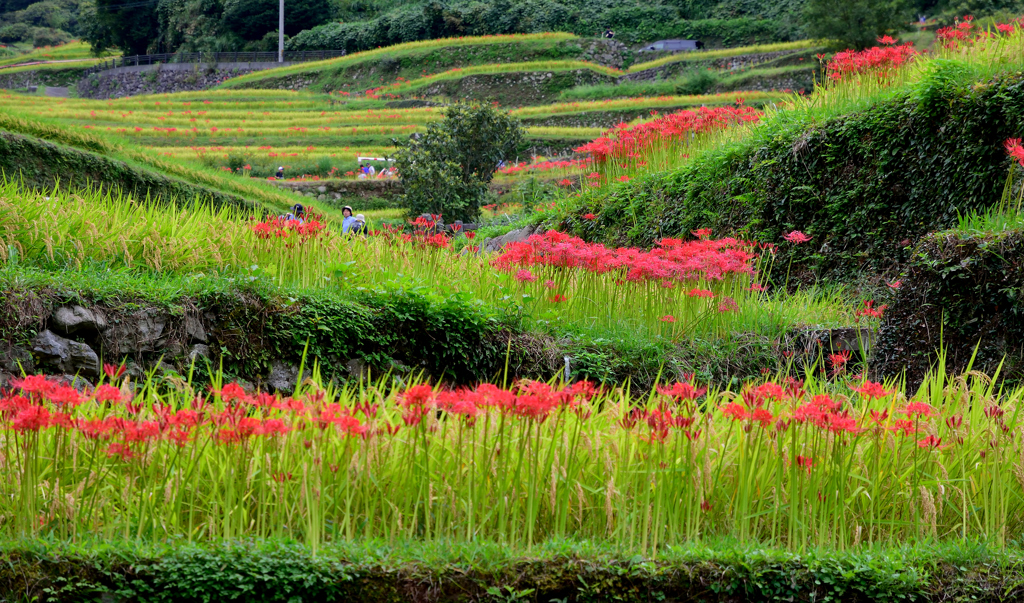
672 261
545 166
625 141
869 310
881 60
292 230
531 400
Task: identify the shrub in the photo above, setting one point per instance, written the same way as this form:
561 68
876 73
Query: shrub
446 170
14 33
959 289
45 36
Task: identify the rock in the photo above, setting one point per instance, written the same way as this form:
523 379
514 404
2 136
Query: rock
17 360
321 189
194 328
141 332
68 356
356 368
321 197
515 236
198 353
173 350
84 360
72 319
282 377
80 383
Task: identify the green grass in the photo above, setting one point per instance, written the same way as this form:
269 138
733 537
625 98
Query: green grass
396 51
70 51
407 88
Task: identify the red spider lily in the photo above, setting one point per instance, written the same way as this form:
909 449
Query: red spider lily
883 61
565 182
1015 150
954 421
839 360
994 412
470 235
895 284
31 418
796 237
702 233
872 390
728 304
887 40
113 371
879 417
682 391
700 293
805 462
931 442
589 217
918 409
625 141
668 318
107 393
550 284
869 310
623 178
279 228
904 426
525 276
559 298
120 451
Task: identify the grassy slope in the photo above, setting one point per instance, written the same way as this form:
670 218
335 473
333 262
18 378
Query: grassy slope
863 177
48 144
409 60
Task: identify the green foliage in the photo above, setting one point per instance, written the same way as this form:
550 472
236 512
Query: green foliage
9 34
133 29
855 23
253 19
551 571
962 294
446 170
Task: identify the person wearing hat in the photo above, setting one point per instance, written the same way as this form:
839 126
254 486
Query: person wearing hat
280 172
359 225
298 214
348 220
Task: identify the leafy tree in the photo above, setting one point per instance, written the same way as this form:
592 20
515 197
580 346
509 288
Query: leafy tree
253 19
856 23
118 24
446 170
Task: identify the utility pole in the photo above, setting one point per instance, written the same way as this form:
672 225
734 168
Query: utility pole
280 34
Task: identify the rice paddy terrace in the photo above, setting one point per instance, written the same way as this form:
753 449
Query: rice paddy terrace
690 358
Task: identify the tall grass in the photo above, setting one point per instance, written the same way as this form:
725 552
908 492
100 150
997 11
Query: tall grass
822 462
397 51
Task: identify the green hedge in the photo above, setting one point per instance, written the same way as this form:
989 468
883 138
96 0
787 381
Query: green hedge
377 572
865 186
960 289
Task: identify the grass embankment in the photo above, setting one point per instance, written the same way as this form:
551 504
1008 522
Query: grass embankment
111 164
723 53
70 51
381 572
408 60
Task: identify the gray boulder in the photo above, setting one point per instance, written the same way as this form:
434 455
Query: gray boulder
283 377
68 356
72 319
515 236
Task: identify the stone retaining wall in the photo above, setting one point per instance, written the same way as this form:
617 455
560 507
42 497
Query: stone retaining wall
131 81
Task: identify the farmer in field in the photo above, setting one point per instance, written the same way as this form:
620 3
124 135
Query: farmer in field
280 173
349 221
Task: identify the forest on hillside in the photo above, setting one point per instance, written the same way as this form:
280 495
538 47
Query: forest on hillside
167 26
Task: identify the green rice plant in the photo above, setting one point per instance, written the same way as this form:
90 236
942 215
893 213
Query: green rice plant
826 461
396 50
72 50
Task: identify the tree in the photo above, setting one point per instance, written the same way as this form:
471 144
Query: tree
856 23
446 170
253 19
119 24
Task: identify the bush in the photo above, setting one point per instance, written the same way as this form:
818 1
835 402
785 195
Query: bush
446 170
960 289
12 34
700 82
44 36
